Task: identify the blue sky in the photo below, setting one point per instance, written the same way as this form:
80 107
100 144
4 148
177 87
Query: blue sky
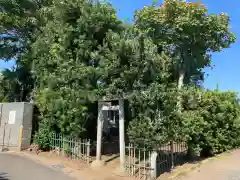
227 68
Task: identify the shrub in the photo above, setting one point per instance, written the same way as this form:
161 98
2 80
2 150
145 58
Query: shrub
212 125
43 136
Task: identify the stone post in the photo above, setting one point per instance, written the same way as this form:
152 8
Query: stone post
98 163
99 131
153 163
121 134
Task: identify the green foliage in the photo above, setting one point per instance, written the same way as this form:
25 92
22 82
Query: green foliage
130 63
16 85
67 149
212 124
43 136
209 121
156 119
19 26
187 32
67 64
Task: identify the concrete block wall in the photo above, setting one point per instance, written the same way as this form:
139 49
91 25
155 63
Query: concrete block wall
17 134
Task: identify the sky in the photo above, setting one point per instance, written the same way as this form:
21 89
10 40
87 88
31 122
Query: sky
227 69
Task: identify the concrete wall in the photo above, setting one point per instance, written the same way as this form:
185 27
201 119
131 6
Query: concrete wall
16 124
27 125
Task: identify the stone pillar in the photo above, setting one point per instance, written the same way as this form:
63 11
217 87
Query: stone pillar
153 163
99 131
121 134
98 163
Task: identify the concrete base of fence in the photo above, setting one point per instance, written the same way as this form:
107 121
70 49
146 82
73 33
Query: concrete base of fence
97 164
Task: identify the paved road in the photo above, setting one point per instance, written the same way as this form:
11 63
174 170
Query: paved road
13 167
225 168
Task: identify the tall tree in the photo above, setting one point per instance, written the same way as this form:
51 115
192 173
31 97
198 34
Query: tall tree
20 24
16 85
66 63
188 33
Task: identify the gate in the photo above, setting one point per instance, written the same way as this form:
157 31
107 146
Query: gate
110 144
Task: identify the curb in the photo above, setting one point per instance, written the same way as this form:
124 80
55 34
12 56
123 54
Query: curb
186 171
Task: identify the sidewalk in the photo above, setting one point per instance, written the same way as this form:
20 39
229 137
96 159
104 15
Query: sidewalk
226 167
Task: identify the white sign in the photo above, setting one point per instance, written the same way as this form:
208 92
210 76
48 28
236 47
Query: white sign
12 117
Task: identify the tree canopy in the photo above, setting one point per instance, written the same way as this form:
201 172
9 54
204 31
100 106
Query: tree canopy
187 32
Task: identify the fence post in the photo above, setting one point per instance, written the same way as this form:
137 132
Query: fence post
172 155
129 159
20 138
3 140
153 163
88 151
61 150
132 164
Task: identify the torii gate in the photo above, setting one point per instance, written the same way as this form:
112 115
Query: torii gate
106 106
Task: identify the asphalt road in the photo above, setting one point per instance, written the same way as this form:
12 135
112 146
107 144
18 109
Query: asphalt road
13 167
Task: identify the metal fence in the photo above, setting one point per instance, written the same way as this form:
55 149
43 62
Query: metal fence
170 156
139 161
76 149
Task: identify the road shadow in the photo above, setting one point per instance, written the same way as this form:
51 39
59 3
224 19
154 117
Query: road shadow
3 176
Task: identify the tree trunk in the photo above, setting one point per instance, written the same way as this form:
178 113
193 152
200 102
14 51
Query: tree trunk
180 85
21 93
179 108
180 79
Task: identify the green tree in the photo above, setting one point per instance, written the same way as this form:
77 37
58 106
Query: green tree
66 63
16 85
133 68
188 33
130 63
20 23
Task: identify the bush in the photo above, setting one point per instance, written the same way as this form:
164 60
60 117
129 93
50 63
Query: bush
209 120
156 120
212 125
43 136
